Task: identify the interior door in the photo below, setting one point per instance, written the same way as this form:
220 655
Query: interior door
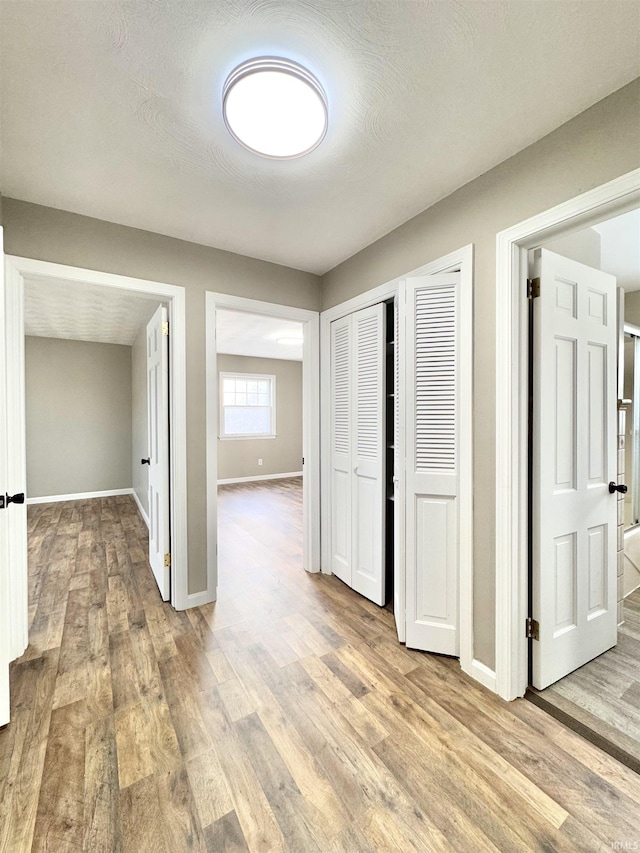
432 345
399 585
5 655
341 429
574 586
357 451
368 520
158 459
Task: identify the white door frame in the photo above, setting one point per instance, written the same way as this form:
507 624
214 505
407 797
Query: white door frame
461 259
310 424
512 245
174 295
7 641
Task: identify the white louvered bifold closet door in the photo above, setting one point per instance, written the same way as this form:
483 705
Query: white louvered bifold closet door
368 522
357 451
399 585
432 461
341 434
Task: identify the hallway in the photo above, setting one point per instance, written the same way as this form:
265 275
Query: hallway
284 717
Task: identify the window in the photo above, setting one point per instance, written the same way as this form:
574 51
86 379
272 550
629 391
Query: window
247 405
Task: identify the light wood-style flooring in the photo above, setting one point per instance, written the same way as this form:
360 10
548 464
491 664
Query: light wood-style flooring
285 717
604 694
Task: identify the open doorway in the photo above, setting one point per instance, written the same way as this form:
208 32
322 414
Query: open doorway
584 649
245 360
97 411
259 451
89 287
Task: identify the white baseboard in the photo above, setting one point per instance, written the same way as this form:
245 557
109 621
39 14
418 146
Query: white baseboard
80 496
141 510
257 478
484 675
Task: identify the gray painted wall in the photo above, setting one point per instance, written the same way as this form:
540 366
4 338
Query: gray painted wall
582 246
280 455
139 438
596 146
78 415
632 307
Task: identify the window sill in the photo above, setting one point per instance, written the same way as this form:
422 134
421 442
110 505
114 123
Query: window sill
245 437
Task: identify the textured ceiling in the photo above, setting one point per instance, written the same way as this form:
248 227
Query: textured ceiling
239 333
54 308
111 109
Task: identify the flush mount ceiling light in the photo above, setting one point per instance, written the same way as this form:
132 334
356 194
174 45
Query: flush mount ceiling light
275 108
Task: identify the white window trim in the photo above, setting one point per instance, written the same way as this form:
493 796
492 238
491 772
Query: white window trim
226 374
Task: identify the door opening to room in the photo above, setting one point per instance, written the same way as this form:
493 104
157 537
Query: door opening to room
97 418
259 367
584 573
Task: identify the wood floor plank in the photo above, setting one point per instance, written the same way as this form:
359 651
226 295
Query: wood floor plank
60 817
101 823
280 789
182 827
283 717
141 818
210 790
225 835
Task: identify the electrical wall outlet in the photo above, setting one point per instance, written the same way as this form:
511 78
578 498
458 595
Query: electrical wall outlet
259 461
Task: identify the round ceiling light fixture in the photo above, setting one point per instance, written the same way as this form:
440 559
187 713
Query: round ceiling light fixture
275 108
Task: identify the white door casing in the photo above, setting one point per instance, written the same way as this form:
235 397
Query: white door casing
574 459
5 656
432 471
368 443
158 448
357 451
16 480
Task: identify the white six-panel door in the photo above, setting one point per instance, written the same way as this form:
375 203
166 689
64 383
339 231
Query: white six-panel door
357 451
158 448
574 445
432 470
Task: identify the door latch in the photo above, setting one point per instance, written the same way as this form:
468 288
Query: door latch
615 487
6 499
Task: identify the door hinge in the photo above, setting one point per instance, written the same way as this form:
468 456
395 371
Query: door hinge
533 288
167 559
532 629
165 328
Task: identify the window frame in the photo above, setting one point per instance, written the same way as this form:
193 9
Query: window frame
229 374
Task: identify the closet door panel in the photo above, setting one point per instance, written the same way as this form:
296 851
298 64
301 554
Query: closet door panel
368 441
341 437
432 461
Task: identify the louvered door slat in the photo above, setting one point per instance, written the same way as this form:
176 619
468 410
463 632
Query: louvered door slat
431 357
341 430
435 360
